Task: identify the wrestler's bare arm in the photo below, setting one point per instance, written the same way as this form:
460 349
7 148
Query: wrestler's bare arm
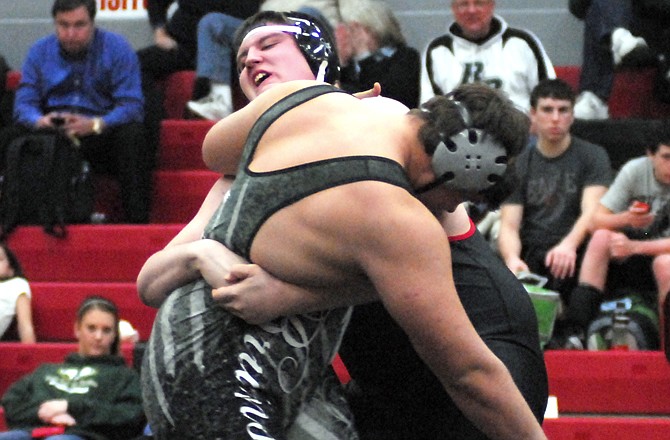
257 297
254 298
223 144
187 256
406 255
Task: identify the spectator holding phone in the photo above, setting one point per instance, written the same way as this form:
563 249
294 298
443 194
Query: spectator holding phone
630 246
85 81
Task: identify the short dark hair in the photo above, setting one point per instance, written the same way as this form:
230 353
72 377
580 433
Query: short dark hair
491 111
71 5
663 139
552 88
96 302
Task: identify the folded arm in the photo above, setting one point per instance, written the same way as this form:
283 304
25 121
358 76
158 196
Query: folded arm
257 297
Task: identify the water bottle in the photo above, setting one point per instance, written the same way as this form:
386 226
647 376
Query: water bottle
622 339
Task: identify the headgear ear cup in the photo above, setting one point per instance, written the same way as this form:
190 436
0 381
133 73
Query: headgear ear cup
318 46
471 160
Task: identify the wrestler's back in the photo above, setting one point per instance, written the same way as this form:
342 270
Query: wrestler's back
309 241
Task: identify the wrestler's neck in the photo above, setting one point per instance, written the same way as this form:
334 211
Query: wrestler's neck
417 162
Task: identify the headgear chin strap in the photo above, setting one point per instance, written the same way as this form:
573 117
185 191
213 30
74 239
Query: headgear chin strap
469 161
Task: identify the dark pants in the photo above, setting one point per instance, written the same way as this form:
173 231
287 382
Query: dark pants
157 64
121 151
602 17
535 255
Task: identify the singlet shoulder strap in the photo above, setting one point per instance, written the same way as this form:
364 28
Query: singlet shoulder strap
279 108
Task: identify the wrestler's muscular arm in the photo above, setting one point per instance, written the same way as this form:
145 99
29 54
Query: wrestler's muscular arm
187 256
406 254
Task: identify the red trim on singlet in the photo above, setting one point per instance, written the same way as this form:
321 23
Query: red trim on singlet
465 235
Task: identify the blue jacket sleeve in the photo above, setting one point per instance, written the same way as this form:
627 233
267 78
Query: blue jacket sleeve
27 102
126 88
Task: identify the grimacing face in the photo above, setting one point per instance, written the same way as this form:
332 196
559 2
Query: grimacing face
268 56
74 30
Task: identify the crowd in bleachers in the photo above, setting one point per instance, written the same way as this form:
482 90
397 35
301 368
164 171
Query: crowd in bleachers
182 99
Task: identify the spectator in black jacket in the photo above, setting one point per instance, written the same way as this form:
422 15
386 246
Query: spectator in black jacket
373 49
175 38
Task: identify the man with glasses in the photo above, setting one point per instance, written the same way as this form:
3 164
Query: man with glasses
480 47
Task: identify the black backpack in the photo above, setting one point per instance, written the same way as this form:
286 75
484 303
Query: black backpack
45 181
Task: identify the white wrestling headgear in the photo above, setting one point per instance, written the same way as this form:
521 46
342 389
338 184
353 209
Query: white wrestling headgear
470 161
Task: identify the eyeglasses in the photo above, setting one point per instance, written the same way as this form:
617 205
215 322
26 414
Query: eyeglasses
479 4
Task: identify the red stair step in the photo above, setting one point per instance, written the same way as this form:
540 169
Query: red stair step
181 144
607 428
620 382
177 89
55 305
90 253
179 194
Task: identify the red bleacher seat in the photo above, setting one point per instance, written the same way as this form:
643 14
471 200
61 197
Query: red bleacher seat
632 92
90 253
609 382
177 90
53 302
12 80
181 144
179 194
607 428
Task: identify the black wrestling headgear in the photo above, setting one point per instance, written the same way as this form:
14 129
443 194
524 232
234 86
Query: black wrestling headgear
468 161
317 45
314 39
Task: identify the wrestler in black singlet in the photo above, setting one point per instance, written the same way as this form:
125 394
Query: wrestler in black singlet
394 396
209 375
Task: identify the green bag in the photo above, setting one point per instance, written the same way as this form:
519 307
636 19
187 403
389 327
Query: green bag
547 303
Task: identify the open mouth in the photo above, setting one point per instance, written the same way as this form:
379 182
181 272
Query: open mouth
260 77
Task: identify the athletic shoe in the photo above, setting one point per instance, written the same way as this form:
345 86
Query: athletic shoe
217 105
574 342
590 106
624 44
